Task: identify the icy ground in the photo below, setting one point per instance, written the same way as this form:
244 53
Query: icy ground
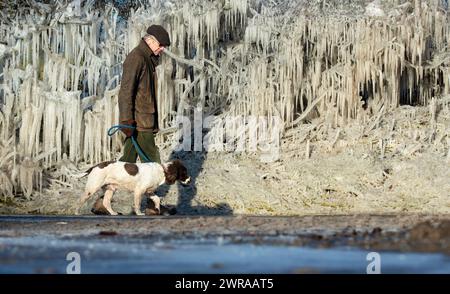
222 245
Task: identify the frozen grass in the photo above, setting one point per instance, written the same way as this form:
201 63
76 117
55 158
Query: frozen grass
348 175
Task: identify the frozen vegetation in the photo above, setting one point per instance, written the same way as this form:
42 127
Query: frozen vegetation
362 89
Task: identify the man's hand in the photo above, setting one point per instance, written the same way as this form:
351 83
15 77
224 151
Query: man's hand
127 131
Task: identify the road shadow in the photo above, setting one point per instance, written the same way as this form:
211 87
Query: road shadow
194 162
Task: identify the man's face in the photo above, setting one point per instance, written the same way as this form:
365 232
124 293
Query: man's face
155 46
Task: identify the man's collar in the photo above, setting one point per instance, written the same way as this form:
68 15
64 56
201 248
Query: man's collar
143 45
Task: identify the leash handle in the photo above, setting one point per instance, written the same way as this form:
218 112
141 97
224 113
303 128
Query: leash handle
112 130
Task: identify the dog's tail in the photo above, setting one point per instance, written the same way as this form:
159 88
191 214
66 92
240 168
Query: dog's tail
86 172
80 175
83 174
100 165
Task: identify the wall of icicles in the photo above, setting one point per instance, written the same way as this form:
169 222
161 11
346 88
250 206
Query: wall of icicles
60 69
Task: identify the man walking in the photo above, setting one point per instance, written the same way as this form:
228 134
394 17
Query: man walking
137 95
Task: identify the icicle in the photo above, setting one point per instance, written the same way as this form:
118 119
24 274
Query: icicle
287 65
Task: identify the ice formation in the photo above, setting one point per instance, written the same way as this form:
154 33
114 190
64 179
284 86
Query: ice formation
60 71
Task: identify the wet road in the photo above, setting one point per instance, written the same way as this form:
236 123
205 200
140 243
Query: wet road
36 244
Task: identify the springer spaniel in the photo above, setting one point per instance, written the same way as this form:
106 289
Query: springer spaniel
137 177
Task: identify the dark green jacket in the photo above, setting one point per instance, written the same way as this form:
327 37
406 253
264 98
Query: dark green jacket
137 95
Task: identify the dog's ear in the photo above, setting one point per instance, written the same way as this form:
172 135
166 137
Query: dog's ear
182 171
177 163
171 173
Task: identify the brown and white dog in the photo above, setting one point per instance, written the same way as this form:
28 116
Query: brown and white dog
136 177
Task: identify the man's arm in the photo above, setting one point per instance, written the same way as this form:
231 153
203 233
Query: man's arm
132 68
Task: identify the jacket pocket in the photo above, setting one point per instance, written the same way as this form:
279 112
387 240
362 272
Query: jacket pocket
145 102
145 120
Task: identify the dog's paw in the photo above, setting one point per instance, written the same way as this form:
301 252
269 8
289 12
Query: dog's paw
168 210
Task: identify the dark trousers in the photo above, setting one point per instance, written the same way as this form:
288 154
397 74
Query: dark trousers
145 140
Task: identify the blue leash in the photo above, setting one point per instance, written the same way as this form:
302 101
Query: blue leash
112 130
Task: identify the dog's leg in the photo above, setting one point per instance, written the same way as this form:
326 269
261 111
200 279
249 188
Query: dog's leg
83 199
157 202
137 203
107 201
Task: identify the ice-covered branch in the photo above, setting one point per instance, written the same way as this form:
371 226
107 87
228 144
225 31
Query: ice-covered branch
199 65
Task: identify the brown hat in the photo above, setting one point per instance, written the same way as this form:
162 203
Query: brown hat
160 34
